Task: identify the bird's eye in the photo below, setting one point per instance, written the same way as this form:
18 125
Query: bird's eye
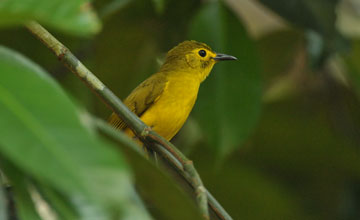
202 53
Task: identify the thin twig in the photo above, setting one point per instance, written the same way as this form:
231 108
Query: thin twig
143 131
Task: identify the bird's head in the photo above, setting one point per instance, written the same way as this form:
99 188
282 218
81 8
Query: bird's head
194 58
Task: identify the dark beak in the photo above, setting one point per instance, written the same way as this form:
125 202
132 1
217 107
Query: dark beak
220 57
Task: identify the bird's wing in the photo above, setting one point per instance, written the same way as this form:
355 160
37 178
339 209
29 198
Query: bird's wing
141 98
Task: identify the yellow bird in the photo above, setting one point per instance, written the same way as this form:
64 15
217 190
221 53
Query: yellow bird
165 100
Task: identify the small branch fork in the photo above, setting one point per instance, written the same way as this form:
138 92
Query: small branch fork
161 146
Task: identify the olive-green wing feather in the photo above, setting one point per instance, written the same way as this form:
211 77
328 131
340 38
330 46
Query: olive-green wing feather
141 98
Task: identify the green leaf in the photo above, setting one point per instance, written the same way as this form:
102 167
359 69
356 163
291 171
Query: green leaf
229 100
72 16
42 135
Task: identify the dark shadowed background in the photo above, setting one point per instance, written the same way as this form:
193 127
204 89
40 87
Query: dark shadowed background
274 135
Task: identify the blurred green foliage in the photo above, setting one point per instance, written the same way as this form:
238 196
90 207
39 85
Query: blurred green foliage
72 16
273 136
54 136
233 88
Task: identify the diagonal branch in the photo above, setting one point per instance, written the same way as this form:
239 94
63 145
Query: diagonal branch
183 165
161 150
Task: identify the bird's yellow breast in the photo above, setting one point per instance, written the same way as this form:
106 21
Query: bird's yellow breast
168 114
